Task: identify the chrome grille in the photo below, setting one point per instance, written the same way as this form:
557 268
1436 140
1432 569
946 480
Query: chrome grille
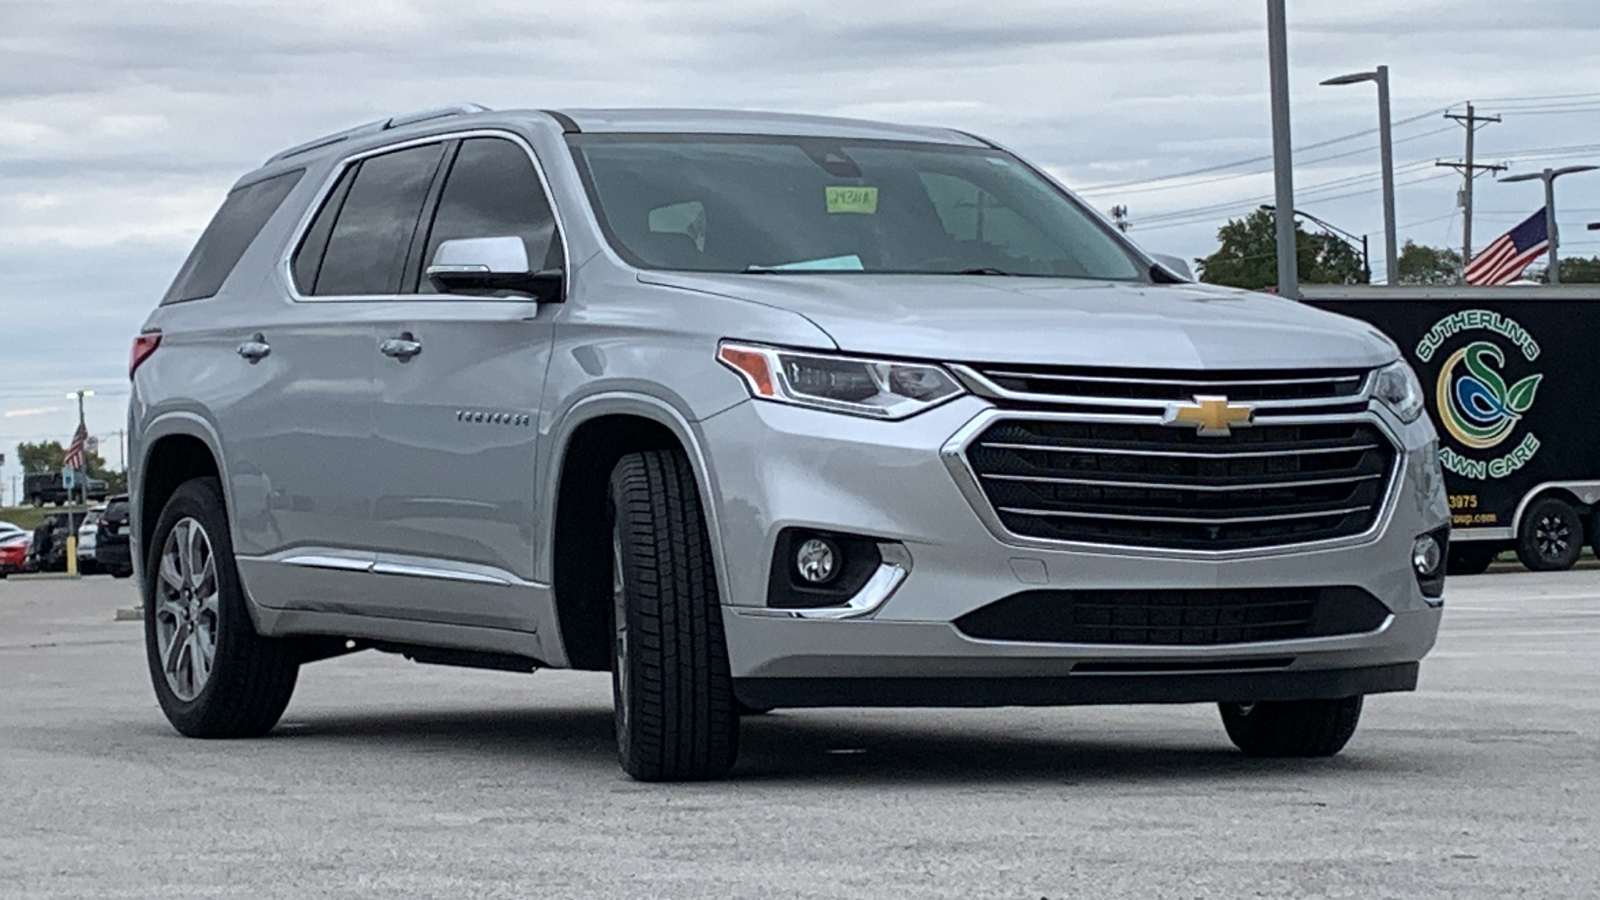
1136 484
1138 387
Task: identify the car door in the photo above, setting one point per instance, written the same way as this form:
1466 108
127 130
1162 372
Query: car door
458 418
300 444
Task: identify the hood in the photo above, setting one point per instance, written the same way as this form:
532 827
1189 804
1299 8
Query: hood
1003 319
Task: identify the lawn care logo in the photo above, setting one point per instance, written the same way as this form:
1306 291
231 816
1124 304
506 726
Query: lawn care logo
1477 407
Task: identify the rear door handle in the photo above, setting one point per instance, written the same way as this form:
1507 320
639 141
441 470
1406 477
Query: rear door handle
255 349
402 348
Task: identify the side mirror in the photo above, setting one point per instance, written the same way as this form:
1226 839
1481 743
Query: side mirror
491 266
1174 264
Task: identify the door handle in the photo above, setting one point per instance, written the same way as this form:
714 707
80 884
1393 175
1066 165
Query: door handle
255 349
402 348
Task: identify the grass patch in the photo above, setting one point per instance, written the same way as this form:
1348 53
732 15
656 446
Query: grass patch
29 517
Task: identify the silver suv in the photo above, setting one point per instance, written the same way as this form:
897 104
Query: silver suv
760 411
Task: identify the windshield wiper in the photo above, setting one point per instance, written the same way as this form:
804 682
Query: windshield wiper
984 270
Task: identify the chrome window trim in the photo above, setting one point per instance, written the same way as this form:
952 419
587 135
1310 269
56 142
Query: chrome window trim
954 456
286 262
980 384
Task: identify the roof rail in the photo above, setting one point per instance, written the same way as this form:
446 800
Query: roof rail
411 118
437 112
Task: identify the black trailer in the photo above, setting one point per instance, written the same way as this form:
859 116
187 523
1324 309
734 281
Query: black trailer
1508 374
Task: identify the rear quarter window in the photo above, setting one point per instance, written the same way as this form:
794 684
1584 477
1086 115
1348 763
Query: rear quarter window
232 230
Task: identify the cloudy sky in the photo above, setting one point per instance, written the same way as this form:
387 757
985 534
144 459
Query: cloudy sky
122 124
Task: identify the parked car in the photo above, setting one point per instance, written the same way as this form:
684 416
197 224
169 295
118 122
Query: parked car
87 534
112 536
13 551
8 530
760 411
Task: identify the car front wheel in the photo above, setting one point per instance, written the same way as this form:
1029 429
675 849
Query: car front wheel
1293 728
214 676
675 713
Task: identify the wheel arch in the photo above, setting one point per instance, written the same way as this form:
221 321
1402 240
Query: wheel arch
595 434
174 449
1583 495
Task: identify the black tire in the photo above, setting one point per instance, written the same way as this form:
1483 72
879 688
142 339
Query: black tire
1550 537
1471 558
1292 728
674 707
122 573
251 678
36 500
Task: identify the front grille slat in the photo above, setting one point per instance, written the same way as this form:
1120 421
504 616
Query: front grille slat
1182 617
1173 486
1066 383
1179 454
1131 483
1180 520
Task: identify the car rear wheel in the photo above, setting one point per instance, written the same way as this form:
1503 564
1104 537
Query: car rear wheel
1550 536
214 676
1292 728
674 707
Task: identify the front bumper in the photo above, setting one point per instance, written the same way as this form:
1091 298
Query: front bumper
772 467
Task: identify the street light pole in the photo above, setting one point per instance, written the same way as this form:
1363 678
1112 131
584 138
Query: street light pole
1282 147
1366 259
1549 176
1391 240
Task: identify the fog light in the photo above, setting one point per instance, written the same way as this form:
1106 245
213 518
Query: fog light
817 560
1426 557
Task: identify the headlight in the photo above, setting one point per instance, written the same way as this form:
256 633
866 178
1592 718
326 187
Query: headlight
882 389
1397 386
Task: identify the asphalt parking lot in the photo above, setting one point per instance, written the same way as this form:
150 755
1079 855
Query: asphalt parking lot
390 779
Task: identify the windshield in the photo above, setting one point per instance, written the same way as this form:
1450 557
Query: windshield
734 203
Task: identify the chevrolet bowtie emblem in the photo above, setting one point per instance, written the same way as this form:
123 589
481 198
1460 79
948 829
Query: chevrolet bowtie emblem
1211 416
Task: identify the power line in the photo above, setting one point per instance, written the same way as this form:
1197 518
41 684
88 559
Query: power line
1197 217
1533 99
1254 172
1095 188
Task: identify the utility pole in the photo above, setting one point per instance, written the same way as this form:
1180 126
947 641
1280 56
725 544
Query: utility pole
1469 170
1282 148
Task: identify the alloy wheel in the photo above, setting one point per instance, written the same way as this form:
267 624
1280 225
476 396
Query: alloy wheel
619 613
186 609
1553 536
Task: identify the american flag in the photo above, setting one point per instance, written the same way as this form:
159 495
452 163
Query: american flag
1502 261
74 457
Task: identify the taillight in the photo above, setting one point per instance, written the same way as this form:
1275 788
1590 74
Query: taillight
143 345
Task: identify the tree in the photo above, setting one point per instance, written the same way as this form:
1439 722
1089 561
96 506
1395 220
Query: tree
1577 270
46 456
1421 264
1248 255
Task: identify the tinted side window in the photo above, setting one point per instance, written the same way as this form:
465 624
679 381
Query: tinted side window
493 191
308 257
367 247
230 233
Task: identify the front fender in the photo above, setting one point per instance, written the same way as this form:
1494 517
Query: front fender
657 409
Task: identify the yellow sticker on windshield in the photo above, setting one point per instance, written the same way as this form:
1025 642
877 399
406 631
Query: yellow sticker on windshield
853 200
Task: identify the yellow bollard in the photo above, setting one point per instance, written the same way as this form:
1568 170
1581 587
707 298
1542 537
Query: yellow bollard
72 555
